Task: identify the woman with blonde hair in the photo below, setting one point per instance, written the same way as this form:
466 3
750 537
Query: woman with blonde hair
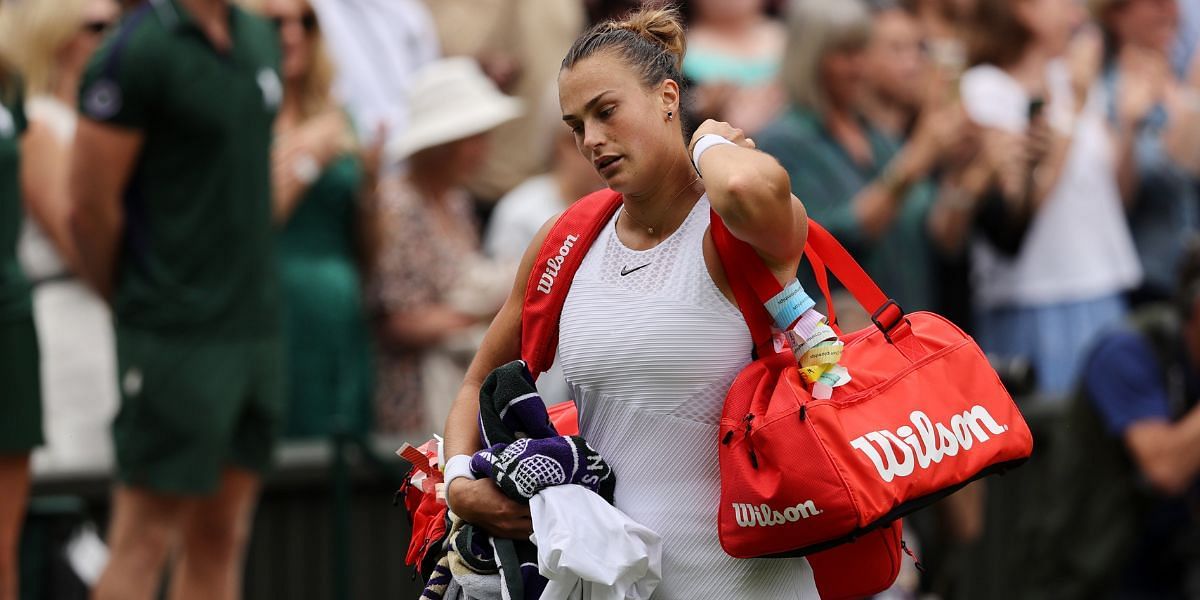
322 194
51 43
21 408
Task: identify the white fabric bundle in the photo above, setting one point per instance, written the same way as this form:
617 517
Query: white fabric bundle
584 541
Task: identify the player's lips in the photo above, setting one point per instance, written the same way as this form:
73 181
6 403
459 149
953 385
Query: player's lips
607 164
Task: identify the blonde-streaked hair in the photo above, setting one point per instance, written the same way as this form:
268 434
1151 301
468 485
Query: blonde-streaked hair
817 28
33 32
316 86
650 39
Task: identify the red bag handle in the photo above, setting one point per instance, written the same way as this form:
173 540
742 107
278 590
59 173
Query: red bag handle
822 276
885 313
753 283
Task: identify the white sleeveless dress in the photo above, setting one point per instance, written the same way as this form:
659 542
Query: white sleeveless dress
648 356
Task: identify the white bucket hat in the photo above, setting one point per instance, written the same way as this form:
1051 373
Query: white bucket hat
451 99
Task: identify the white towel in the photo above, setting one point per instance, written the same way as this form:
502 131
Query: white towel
584 541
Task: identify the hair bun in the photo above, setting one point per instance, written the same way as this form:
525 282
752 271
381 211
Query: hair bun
662 27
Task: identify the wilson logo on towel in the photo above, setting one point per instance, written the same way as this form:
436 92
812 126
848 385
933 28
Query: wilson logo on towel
554 263
748 515
925 442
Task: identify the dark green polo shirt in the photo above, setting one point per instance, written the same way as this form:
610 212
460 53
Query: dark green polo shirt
14 289
197 249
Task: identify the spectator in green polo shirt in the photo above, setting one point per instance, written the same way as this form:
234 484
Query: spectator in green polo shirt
172 215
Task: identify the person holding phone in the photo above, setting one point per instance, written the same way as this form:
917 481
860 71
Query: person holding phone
1066 282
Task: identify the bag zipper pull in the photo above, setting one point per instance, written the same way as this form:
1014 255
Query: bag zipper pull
749 442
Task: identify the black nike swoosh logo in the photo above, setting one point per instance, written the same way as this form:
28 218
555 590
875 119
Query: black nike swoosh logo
626 270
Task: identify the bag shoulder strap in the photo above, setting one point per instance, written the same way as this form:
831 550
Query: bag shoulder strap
550 279
750 280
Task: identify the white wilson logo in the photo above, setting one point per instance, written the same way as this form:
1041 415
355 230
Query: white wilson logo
553 264
748 515
925 442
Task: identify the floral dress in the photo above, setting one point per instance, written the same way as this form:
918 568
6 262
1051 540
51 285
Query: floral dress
423 249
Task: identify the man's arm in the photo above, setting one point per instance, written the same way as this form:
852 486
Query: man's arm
1124 383
102 161
1168 454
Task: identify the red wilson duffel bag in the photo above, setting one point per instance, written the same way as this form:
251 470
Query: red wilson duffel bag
923 414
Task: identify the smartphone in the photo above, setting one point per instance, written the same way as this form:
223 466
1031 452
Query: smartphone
1036 106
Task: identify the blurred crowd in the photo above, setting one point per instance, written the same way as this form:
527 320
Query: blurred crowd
1028 168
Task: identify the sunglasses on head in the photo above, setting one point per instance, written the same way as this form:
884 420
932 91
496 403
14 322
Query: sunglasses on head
308 21
95 27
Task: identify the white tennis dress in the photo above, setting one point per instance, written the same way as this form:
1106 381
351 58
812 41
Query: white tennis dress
649 345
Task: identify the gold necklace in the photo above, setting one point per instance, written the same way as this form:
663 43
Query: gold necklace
670 203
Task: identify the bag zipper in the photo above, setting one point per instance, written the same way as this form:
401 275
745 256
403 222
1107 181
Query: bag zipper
749 419
874 391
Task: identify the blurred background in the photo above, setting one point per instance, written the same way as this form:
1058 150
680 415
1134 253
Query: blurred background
1028 168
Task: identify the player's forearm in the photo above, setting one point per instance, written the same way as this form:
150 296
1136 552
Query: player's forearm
462 423
751 191
501 344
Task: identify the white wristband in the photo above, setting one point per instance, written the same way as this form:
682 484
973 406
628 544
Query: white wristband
705 142
458 466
